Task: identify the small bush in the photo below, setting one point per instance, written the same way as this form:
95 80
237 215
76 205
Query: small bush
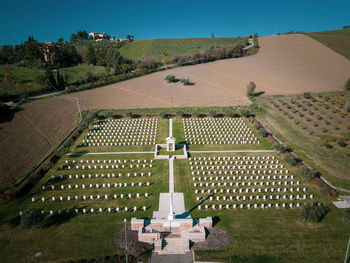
346 214
197 113
31 217
307 173
230 112
312 213
263 132
246 113
180 113
342 143
186 82
170 78
162 114
213 113
291 160
324 191
328 145
129 114
347 84
307 95
251 89
47 166
280 148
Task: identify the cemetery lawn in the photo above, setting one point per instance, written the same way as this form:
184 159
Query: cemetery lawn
162 133
269 235
178 132
66 238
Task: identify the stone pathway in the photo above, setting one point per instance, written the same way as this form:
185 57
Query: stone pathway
172 258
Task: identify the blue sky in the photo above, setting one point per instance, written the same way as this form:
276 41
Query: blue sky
48 20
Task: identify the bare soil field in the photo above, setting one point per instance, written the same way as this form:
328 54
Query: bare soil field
286 64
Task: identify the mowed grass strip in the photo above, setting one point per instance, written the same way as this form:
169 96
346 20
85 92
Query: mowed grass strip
338 40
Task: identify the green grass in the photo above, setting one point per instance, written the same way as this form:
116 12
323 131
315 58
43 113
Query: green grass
269 235
329 162
82 236
77 72
338 40
159 49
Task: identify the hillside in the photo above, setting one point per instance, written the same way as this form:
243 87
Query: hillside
338 40
159 49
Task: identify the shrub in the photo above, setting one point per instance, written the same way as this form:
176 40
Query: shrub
171 78
307 95
213 113
346 214
263 132
31 217
186 82
251 89
324 191
291 160
197 113
230 112
280 148
319 117
162 114
347 84
180 113
312 213
307 173
246 112
342 143
129 114
328 145
47 166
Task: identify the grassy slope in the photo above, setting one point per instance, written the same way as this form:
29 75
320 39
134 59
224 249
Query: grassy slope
309 148
159 49
338 40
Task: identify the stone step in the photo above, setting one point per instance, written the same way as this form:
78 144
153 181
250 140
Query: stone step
173 246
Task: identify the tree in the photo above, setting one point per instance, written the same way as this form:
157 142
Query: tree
130 38
91 56
212 35
251 89
170 78
347 84
31 217
60 40
308 173
280 148
60 83
312 212
291 160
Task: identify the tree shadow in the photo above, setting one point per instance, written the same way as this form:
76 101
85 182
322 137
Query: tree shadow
58 219
7 114
257 94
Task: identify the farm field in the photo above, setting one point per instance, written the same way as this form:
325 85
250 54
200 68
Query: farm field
110 183
295 62
338 40
324 121
159 49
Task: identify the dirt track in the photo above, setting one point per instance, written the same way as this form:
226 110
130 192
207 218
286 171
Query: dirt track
286 64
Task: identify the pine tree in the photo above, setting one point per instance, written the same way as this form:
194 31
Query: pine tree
91 56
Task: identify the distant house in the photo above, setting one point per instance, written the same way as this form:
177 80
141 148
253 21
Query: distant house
96 35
